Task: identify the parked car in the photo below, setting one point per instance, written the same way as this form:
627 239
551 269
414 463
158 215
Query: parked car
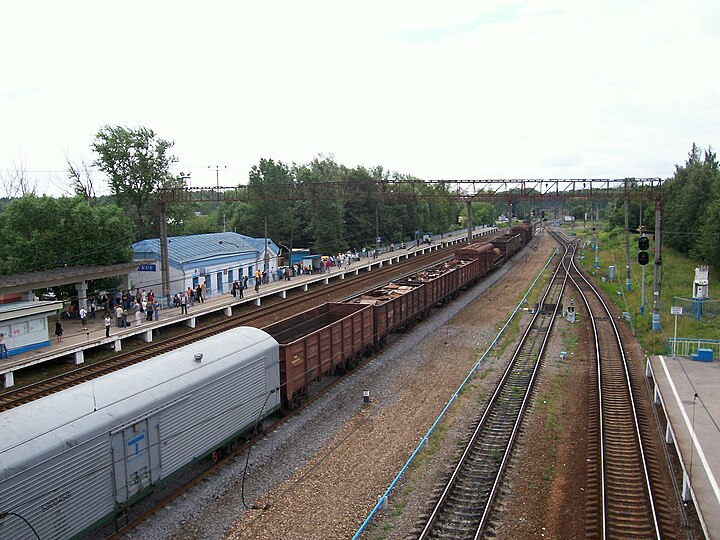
48 295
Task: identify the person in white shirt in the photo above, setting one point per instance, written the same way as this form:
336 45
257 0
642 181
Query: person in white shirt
83 317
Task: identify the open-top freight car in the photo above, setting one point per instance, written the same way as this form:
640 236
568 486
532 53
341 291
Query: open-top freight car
508 244
439 284
465 272
395 306
324 340
525 230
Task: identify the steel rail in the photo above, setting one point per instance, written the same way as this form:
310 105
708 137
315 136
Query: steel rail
496 402
631 528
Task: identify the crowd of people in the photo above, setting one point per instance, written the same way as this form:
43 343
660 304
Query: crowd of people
138 306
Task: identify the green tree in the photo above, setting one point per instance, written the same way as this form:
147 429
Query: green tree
688 203
483 213
137 163
41 233
269 187
707 245
323 212
359 208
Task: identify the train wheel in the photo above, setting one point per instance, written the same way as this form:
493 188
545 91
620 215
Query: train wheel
214 456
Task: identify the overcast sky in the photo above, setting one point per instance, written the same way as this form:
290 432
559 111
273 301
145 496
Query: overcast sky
440 90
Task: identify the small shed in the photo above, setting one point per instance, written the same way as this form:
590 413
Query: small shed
25 324
313 261
298 254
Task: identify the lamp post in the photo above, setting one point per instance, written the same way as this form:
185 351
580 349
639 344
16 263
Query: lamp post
266 257
217 174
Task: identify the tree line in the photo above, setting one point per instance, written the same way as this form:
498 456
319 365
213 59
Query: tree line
690 208
42 232
340 208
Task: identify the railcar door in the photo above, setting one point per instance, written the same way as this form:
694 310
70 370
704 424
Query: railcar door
135 450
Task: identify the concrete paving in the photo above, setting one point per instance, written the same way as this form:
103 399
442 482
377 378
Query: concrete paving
687 390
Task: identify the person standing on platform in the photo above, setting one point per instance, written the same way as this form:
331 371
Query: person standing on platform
107 325
199 294
149 311
138 315
183 303
83 317
118 315
3 347
93 308
58 331
156 309
124 318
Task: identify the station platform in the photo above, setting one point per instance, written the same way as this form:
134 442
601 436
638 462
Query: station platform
76 340
688 392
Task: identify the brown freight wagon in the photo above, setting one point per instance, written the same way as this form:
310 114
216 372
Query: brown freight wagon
466 272
395 306
321 341
525 230
440 284
482 251
508 244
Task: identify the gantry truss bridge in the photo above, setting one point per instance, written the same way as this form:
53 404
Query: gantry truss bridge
488 190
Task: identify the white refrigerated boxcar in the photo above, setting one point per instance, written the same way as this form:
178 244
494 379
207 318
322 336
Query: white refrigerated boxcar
71 460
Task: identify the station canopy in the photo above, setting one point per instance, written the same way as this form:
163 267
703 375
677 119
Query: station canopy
20 283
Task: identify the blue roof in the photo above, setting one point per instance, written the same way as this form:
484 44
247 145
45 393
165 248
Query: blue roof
202 247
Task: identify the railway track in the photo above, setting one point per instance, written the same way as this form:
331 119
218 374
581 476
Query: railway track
625 496
463 507
259 318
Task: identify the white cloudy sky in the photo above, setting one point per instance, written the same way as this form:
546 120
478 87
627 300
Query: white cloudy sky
466 89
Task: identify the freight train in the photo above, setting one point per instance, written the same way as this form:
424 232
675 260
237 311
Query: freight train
72 460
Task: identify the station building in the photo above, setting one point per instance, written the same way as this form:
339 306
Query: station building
215 259
24 324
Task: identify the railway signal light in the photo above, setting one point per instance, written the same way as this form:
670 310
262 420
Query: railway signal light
643 258
643 243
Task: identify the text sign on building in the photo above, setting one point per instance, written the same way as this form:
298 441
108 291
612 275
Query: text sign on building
147 268
676 310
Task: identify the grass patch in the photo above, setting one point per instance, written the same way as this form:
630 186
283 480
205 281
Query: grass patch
570 339
677 274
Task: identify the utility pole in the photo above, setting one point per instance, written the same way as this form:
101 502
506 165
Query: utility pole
628 283
377 225
267 255
642 281
164 255
468 205
658 262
